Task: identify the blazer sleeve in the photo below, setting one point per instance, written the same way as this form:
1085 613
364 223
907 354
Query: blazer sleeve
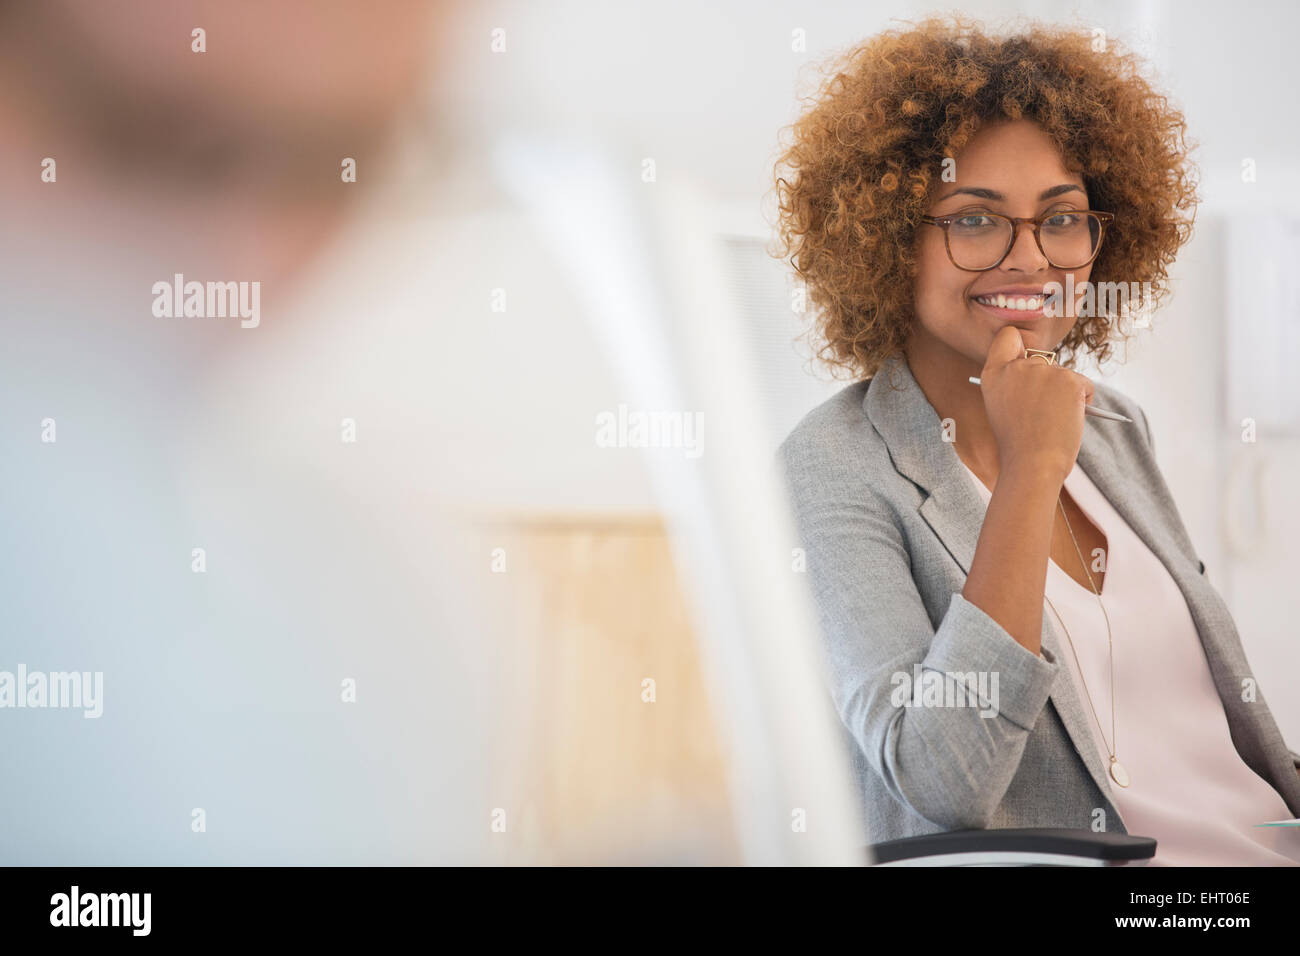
951 765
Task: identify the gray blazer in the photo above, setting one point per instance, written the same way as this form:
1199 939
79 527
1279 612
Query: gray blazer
889 523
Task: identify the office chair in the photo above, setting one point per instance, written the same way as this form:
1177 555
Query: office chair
1026 846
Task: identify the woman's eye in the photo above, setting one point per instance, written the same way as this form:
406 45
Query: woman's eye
973 221
1063 220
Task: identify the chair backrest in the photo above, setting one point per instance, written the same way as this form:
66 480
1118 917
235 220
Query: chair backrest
649 263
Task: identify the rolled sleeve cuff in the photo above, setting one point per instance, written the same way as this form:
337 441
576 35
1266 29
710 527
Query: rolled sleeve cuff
969 640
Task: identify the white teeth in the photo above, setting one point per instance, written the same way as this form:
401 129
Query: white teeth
1031 303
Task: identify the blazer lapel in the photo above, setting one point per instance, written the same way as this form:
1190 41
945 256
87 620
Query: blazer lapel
955 512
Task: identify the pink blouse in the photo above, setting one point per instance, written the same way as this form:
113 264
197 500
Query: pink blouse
1189 788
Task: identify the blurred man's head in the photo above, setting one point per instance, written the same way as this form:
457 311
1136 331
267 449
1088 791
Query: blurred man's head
279 83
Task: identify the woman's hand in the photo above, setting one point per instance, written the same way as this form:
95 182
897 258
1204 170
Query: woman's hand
1034 409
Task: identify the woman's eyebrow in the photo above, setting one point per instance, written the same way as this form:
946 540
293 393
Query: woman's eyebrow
992 194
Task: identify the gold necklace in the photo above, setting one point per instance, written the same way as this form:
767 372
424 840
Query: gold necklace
1117 771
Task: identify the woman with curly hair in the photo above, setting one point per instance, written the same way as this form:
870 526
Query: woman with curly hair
958 205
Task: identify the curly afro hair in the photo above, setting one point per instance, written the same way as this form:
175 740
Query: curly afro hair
856 175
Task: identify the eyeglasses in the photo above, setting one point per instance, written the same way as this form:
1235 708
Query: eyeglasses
979 241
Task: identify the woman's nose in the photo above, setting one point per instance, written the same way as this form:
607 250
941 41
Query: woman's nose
1024 255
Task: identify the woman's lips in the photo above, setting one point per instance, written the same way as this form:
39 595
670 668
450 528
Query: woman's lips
1013 306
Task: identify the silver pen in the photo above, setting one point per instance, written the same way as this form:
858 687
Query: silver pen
1087 409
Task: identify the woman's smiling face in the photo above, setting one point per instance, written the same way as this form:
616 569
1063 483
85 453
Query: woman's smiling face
1012 168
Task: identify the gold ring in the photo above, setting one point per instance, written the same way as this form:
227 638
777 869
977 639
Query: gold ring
1048 357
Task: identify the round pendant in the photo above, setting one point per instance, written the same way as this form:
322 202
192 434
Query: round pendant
1118 773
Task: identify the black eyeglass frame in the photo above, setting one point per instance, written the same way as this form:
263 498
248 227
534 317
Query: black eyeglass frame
945 221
